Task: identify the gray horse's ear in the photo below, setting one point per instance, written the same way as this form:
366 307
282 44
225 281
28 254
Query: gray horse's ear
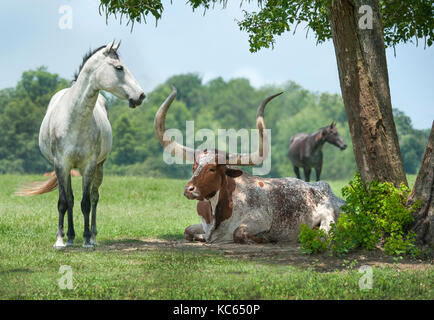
116 47
109 47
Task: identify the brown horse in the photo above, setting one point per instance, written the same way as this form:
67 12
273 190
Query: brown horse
305 150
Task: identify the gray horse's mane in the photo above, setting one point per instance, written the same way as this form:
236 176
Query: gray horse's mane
86 57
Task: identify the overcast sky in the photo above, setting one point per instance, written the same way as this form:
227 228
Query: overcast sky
210 45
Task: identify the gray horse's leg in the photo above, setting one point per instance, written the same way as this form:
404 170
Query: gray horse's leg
64 203
88 176
61 207
70 198
94 197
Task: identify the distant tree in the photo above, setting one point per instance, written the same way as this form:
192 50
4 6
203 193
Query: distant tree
21 112
412 142
188 87
124 142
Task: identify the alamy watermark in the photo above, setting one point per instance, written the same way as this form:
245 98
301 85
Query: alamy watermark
65 281
227 140
65 20
366 20
366 280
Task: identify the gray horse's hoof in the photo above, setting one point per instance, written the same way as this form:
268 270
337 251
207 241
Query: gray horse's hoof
93 242
59 245
70 243
88 246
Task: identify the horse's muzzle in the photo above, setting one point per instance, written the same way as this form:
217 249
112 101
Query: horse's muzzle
137 102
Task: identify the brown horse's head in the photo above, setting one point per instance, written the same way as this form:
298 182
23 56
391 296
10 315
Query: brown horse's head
331 135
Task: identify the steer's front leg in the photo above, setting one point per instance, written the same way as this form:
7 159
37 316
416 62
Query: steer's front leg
194 233
242 235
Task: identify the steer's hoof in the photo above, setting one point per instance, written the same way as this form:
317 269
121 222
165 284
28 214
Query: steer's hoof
199 237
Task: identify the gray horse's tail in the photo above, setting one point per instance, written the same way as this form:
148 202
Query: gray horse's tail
39 187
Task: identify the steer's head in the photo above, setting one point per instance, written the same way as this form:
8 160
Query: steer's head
208 175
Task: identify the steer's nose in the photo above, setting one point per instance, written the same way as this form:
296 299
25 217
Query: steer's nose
189 190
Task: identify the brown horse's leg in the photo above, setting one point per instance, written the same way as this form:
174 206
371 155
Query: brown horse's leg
318 173
297 172
307 174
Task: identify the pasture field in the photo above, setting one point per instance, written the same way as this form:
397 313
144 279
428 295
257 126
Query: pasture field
142 254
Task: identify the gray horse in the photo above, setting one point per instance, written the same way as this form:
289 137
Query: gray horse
76 133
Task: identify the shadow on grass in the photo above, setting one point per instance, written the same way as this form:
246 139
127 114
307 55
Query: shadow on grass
19 270
275 254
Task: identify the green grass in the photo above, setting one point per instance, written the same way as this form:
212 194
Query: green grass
134 208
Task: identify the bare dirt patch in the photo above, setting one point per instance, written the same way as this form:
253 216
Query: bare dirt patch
276 253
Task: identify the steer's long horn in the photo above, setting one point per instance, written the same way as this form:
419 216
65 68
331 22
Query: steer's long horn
160 130
256 158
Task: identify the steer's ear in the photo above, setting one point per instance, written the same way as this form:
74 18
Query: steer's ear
233 172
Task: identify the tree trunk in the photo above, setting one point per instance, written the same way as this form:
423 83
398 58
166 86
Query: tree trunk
424 190
364 81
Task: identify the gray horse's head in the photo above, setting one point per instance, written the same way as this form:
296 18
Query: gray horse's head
107 72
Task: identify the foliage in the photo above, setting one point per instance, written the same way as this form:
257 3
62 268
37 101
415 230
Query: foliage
373 214
403 21
136 11
312 240
397 244
343 236
277 17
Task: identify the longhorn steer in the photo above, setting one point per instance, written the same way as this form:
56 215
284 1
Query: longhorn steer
235 206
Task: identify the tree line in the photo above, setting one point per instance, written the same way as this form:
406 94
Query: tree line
214 104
